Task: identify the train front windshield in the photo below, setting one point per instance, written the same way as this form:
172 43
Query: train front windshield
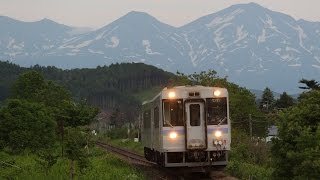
173 113
217 111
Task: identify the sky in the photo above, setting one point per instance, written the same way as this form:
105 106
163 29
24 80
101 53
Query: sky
97 13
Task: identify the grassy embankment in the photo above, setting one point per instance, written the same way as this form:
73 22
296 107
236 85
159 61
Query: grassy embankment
101 166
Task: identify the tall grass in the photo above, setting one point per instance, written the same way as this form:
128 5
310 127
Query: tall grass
101 166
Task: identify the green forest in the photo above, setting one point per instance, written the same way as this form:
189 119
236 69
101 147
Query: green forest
115 89
47 116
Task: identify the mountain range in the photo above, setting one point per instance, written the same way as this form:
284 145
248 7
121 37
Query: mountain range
251 45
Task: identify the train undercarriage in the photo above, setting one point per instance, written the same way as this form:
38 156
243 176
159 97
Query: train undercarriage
188 158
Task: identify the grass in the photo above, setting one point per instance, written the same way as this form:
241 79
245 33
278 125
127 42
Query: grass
119 137
101 166
128 144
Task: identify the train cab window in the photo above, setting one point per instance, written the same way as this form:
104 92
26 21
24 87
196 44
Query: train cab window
156 117
195 115
217 111
173 113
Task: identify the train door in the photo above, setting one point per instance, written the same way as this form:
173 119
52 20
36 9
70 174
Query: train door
195 126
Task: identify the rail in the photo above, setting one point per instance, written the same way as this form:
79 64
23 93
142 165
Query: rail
166 173
131 156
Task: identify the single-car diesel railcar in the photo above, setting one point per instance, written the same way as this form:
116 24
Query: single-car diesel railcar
187 126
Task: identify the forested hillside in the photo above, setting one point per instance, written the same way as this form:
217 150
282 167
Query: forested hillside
111 88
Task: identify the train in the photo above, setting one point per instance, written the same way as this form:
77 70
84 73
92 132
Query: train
187 126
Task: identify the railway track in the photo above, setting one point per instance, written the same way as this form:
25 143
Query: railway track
154 171
129 155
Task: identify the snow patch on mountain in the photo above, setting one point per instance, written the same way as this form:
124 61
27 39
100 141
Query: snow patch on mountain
106 33
192 54
147 45
83 44
268 23
262 37
224 19
248 43
71 54
78 46
11 42
114 42
238 48
316 66
294 65
301 36
292 49
95 52
241 34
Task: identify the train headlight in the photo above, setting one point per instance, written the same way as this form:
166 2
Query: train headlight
217 93
171 94
173 135
218 134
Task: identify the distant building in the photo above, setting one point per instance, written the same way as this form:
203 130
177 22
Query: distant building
272 133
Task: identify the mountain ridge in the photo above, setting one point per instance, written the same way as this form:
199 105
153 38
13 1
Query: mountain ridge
252 45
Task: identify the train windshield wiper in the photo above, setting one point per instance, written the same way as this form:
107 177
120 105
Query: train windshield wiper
169 123
222 120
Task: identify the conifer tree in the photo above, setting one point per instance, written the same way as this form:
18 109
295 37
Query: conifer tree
267 100
285 101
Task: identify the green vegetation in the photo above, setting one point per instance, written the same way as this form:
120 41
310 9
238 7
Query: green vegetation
45 134
26 126
102 166
249 157
45 126
267 100
310 84
121 138
118 87
284 101
297 148
128 144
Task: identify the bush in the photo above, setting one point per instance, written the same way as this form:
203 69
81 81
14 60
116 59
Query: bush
118 133
249 157
245 170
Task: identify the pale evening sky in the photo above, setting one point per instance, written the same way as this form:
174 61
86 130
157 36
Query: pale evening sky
97 13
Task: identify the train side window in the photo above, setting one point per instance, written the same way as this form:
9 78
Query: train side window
147 119
217 111
195 115
156 117
173 113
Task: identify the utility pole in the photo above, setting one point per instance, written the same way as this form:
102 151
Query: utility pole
250 124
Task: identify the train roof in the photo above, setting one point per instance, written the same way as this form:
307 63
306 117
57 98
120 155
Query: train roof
188 88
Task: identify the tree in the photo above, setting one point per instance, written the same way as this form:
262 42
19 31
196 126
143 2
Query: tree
75 144
28 86
296 150
32 86
267 100
76 114
26 125
72 114
310 84
284 101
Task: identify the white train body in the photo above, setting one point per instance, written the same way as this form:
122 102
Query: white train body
187 126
